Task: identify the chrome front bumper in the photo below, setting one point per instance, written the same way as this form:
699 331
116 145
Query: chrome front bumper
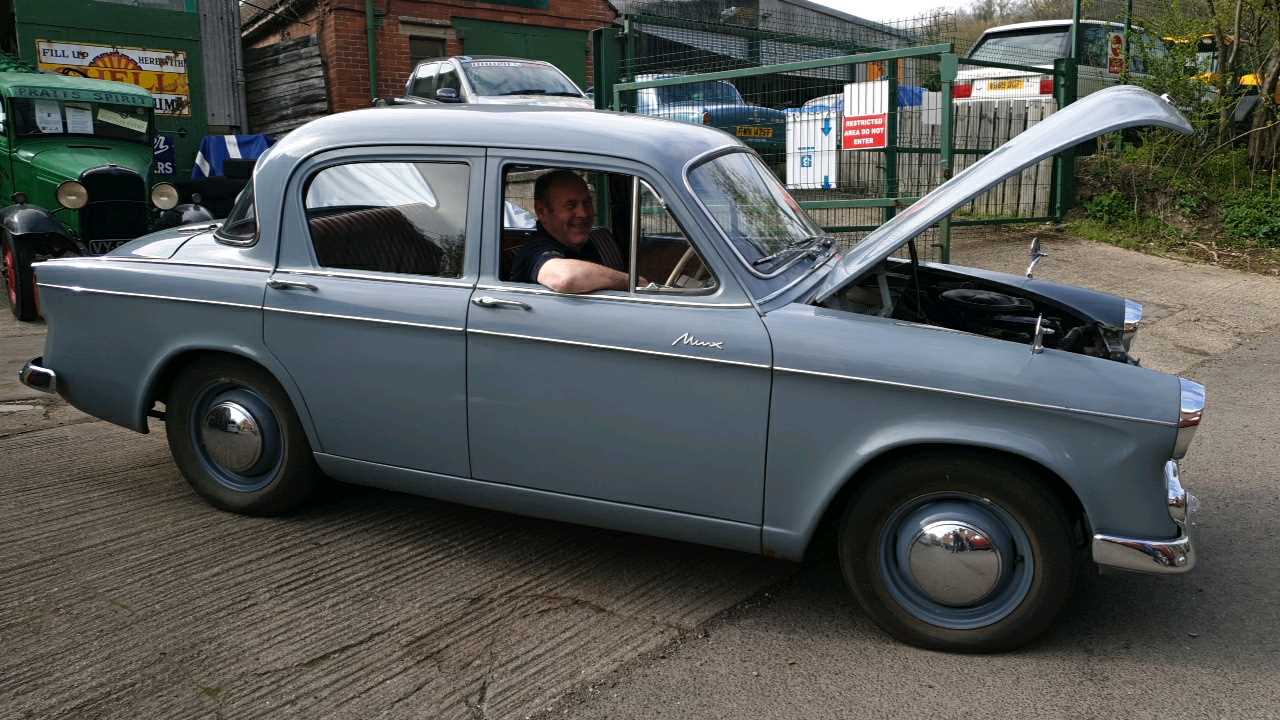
38 378
1163 557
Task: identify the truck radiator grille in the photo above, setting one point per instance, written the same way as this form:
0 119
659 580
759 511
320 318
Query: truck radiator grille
117 208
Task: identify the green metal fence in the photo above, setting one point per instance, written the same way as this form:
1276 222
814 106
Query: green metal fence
855 137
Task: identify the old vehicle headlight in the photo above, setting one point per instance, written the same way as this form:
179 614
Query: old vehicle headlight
164 196
1132 320
72 195
1191 407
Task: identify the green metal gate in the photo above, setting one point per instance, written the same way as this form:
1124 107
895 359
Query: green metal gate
908 127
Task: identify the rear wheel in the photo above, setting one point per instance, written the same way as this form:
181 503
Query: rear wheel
960 552
19 279
235 437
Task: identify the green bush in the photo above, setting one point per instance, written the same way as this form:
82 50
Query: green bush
1109 208
1252 216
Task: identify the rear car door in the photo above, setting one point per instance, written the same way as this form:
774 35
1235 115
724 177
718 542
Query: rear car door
368 305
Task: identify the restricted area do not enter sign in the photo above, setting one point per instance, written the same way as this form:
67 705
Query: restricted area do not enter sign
866 116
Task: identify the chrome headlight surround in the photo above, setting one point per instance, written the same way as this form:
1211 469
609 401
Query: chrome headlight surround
1190 410
72 195
1132 321
164 196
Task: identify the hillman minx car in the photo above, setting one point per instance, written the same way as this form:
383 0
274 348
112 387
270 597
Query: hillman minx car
975 439
75 161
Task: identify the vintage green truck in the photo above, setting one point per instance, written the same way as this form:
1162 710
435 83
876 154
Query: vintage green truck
75 162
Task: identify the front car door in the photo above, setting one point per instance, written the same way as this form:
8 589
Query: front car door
368 305
652 399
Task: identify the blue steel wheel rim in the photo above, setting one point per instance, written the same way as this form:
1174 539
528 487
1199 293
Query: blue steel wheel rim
1014 585
271 460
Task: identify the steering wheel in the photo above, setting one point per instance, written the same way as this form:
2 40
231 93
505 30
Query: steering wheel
701 274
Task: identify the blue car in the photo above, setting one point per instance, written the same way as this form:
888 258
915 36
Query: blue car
718 104
974 438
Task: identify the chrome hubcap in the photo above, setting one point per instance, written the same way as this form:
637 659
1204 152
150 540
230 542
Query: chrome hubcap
955 560
232 437
954 563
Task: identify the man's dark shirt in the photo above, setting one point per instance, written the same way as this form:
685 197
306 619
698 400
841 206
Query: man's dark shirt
542 247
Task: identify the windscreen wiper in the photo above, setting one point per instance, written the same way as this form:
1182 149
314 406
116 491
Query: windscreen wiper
527 91
811 243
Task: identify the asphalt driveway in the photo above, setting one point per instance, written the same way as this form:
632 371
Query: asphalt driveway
122 595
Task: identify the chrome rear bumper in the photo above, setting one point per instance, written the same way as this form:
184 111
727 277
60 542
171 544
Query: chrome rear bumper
1164 557
36 377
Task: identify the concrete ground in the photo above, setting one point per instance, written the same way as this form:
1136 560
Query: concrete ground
122 595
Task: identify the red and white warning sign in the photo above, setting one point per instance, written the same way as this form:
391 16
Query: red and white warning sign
866 116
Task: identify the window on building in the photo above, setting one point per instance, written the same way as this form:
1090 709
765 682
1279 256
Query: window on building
424 48
393 217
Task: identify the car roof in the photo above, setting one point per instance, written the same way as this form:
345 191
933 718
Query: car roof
1038 24
666 145
59 83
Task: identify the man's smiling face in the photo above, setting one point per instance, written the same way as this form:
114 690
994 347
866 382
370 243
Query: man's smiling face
568 211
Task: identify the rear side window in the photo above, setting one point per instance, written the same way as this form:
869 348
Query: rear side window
393 217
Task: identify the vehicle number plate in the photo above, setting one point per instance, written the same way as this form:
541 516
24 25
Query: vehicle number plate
98 247
1005 84
752 131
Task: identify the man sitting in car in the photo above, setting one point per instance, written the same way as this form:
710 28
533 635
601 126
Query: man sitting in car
563 256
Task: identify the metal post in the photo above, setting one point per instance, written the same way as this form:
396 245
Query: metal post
891 138
947 67
1075 30
372 42
1128 29
1062 192
604 64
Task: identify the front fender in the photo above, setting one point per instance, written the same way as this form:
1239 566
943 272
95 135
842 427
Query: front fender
39 231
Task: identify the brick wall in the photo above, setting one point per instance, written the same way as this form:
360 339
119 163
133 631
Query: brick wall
344 46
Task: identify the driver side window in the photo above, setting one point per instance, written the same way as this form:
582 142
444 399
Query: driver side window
665 257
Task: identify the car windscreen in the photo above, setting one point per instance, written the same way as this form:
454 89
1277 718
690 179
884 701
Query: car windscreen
716 91
511 77
762 222
51 118
1038 46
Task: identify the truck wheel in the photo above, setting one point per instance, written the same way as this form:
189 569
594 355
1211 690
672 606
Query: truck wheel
958 551
19 279
236 438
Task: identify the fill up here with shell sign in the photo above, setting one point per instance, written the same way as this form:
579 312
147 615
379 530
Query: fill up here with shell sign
163 73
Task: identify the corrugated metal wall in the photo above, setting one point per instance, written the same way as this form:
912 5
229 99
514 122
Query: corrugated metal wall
223 63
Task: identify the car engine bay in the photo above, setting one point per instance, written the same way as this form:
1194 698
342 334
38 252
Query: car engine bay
929 295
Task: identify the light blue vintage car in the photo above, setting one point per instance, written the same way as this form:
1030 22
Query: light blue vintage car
973 438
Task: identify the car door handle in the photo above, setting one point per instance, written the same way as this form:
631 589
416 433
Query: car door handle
290 285
491 302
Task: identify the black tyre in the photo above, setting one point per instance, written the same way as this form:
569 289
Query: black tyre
236 438
19 279
958 551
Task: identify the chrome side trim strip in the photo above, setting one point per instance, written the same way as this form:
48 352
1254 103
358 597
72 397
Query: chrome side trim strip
379 278
976 396
159 261
614 298
364 319
619 348
95 291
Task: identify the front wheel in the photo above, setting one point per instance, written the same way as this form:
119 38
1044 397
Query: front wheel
235 437
19 279
959 552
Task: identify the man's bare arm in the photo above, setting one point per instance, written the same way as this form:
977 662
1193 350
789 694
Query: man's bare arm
579 276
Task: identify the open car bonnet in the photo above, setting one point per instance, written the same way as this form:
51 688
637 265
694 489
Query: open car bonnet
1102 112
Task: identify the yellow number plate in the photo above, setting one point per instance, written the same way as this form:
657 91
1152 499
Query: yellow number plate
753 132
1005 84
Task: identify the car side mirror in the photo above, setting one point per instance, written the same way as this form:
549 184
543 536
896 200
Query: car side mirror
449 95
